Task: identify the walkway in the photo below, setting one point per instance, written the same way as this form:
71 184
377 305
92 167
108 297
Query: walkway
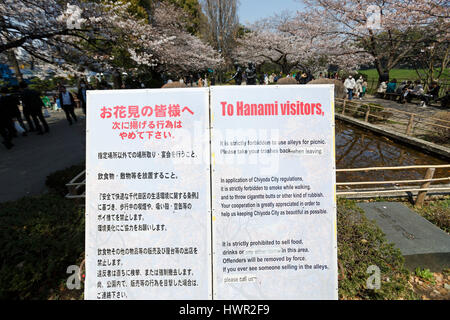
423 126
428 111
23 169
421 243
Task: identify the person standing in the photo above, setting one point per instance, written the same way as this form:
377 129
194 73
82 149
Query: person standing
359 87
7 130
67 104
350 84
364 88
32 107
81 94
11 105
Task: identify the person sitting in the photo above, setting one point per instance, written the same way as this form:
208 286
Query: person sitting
431 95
416 92
391 86
405 89
445 100
382 87
399 89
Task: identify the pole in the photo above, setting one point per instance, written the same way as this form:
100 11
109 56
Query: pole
421 195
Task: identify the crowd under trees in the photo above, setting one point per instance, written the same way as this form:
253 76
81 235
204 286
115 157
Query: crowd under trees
179 37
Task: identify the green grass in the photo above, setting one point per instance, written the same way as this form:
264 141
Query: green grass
425 274
42 235
437 212
362 244
403 74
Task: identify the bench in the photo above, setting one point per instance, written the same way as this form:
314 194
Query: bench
433 103
388 95
392 96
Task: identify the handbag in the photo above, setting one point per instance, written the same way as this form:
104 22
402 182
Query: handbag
19 129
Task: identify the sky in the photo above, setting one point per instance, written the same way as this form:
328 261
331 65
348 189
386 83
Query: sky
251 10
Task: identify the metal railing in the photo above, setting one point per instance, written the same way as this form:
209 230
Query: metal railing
77 186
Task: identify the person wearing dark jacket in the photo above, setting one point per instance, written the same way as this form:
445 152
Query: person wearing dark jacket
10 109
67 104
32 107
7 130
431 95
81 94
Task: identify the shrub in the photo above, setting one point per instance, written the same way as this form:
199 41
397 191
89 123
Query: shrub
40 237
442 133
362 244
287 81
56 181
339 89
175 84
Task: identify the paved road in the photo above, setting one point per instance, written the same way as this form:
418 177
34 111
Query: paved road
23 169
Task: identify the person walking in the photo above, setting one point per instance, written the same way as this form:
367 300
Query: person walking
32 108
67 104
350 84
364 88
359 88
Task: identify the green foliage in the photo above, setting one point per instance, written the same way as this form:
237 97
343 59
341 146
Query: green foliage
362 244
40 237
57 180
43 85
194 12
400 74
425 274
437 212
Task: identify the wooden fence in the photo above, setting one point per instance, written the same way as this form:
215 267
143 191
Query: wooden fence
397 188
411 124
420 187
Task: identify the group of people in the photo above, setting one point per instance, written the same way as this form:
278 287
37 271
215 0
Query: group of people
408 90
11 121
248 76
355 88
32 106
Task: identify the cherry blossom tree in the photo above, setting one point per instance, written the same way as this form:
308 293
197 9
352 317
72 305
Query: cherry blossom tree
295 41
387 30
80 34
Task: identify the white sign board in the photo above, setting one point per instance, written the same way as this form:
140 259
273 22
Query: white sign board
147 195
273 189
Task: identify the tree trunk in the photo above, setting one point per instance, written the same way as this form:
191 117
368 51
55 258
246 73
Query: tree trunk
13 61
383 71
117 79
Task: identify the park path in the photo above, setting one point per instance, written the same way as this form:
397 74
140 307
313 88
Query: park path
23 168
413 107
